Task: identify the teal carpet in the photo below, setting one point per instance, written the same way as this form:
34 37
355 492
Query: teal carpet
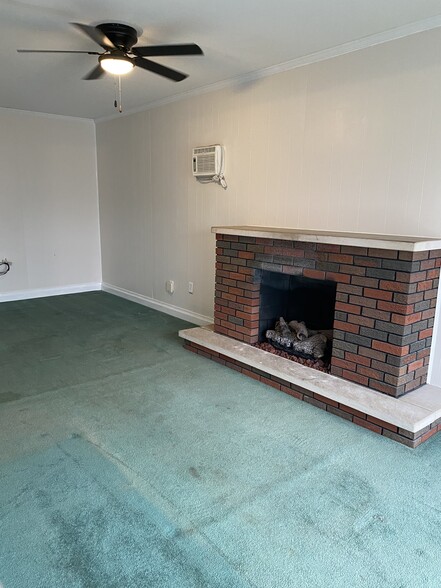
126 461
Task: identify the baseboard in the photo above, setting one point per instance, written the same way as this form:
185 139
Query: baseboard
176 311
44 292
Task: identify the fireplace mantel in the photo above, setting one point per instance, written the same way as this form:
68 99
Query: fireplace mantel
349 239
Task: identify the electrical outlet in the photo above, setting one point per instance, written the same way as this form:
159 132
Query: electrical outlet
190 287
170 286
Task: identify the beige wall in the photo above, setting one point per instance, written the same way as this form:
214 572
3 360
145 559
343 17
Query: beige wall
353 143
49 226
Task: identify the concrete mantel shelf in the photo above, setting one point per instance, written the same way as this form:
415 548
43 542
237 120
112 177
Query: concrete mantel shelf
369 240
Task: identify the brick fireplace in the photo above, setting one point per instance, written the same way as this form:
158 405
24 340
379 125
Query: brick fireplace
384 310
385 292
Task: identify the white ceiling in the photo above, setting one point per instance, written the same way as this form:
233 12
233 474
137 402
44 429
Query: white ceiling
237 36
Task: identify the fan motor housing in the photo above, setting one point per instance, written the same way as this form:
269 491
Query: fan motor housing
122 36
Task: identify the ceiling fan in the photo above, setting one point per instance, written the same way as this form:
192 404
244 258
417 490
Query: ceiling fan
120 54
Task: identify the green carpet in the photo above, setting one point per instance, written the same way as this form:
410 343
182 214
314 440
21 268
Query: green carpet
126 461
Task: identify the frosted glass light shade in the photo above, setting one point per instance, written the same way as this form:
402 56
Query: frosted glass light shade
116 65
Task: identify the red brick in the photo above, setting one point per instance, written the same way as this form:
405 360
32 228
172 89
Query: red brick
428 264
251 301
394 307
340 258
328 248
236 291
383 253
250 374
360 251
223 237
246 254
315 274
241 276
363 380
348 365
243 315
352 411
377 294
415 365
425 333
367 425
389 348
407 319
433 274
426 285
427 435
336 277
351 308
347 327
227 296
269 382
357 359
369 372
382 424
291 392
410 278
221 330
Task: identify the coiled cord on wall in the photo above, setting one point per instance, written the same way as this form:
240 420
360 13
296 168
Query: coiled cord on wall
5 266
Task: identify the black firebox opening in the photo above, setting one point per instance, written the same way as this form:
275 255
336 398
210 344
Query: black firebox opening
295 298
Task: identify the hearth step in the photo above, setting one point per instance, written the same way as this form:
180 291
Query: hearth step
410 419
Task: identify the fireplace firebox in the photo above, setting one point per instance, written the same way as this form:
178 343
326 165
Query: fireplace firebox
295 298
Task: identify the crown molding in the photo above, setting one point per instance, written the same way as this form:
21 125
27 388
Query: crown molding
350 47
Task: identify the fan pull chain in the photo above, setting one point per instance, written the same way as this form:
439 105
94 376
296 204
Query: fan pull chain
117 103
120 93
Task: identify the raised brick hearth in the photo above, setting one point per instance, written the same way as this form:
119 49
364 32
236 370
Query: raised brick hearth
384 311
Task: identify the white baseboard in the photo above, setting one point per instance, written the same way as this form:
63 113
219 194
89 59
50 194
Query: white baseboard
176 311
44 292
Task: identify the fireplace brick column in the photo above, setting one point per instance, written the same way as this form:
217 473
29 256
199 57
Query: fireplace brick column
384 312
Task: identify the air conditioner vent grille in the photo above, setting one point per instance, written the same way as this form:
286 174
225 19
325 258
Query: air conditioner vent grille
208 161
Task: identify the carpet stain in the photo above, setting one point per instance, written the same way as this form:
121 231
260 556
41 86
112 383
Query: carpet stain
99 532
193 471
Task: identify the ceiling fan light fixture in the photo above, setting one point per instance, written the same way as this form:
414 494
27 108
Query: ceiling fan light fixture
116 64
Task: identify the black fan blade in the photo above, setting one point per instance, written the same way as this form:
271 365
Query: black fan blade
95 73
52 51
171 74
95 34
157 50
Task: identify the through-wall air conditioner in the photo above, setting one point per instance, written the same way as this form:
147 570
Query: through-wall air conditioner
208 161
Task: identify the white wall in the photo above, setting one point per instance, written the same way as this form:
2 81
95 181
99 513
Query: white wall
352 143
49 224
